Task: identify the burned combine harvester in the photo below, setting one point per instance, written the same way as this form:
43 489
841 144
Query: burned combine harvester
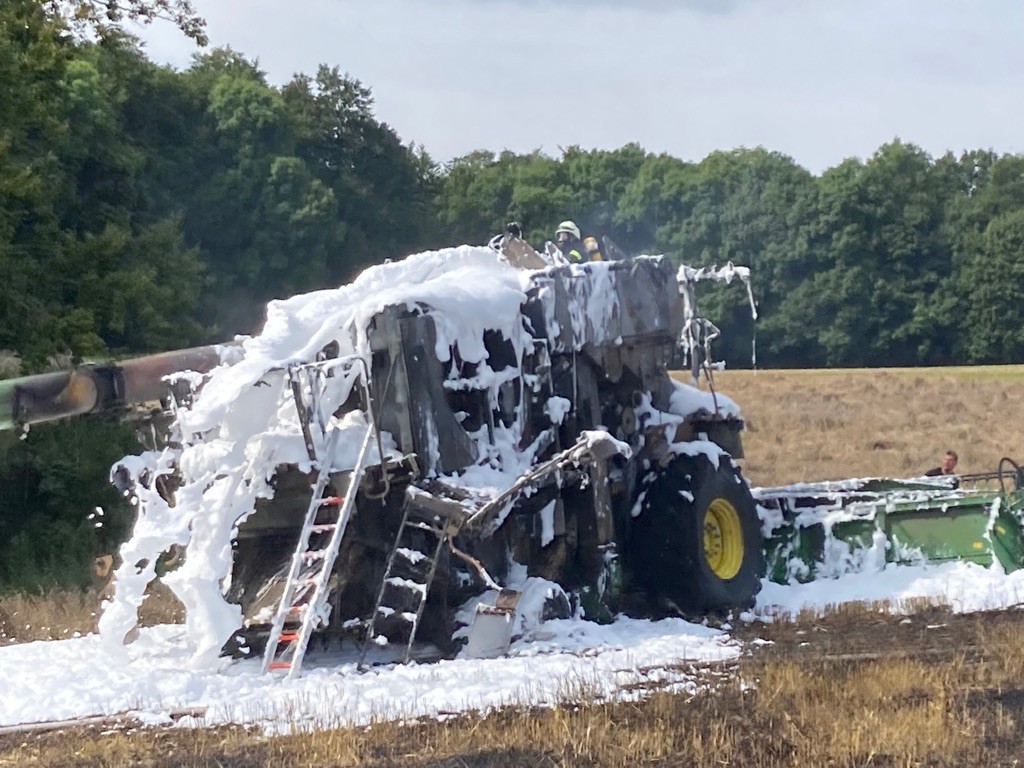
568 450
407 457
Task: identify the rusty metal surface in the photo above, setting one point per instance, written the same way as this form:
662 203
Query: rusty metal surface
33 399
142 378
51 396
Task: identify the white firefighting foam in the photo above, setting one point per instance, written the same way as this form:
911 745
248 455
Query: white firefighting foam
243 423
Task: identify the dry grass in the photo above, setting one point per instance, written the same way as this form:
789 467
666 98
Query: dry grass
60 614
947 691
832 424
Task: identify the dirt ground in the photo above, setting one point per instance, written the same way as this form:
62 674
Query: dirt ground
853 687
859 632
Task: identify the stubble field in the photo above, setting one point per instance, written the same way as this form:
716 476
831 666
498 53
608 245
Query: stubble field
833 424
852 687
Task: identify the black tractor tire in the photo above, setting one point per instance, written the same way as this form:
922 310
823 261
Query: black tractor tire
697 541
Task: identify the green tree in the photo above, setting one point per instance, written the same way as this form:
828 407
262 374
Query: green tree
880 226
475 197
754 208
106 16
383 188
595 181
33 57
53 480
653 203
994 321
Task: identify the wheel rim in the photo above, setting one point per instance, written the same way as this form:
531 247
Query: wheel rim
723 539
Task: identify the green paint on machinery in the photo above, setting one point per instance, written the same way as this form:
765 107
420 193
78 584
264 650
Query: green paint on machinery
815 530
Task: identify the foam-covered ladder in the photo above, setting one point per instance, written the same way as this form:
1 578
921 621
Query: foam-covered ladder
304 607
427 523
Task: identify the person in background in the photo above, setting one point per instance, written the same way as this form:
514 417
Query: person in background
947 467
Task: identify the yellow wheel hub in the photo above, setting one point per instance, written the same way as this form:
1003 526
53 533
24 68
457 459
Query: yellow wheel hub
723 539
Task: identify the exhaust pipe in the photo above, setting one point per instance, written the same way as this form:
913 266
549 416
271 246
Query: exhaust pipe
88 388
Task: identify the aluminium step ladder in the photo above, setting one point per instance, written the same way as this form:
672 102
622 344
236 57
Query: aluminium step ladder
412 564
304 607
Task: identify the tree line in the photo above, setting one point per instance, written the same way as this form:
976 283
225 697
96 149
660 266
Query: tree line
902 259
144 209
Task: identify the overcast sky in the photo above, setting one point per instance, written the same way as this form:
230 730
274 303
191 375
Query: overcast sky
819 80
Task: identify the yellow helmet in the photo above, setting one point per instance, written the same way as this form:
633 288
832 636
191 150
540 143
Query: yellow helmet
570 227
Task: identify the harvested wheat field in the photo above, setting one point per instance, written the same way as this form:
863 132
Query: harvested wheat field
895 422
849 685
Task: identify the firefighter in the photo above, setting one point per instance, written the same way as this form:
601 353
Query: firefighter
567 238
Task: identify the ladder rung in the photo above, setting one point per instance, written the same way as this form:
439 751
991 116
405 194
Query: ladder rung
322 527
315 554
280 665
299 588
287 637
423 527
332 500
414 556
418 587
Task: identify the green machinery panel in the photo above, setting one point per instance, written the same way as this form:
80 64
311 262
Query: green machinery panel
825 531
